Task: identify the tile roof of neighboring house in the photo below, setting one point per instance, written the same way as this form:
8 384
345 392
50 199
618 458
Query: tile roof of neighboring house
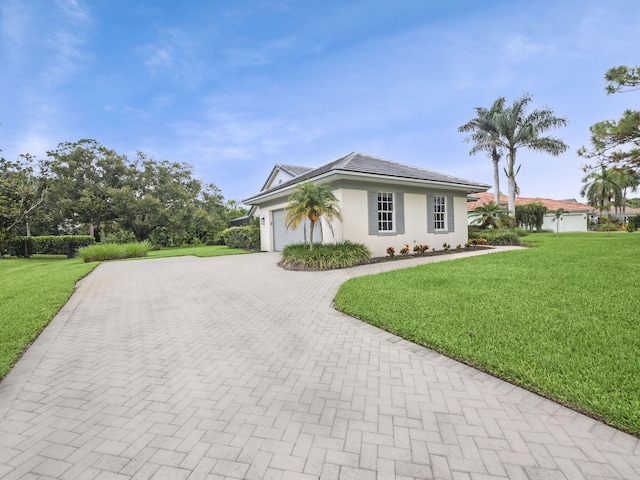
367 164
569 204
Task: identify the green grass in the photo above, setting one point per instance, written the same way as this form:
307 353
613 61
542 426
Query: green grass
199 251
31 293
561 318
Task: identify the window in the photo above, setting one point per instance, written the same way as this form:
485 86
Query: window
385 212
439 213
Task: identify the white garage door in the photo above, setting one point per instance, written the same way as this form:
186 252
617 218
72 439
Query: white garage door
283 237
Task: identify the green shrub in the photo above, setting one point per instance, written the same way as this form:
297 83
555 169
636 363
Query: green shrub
247 238
47 245
325 257
120 236
522 232
631 227
496 236
114 251
606 227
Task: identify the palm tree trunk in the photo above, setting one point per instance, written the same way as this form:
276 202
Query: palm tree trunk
311 235
511 183
496 179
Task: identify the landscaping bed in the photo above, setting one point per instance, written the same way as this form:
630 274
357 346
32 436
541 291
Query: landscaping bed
288 264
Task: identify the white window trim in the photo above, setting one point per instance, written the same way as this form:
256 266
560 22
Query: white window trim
443 204
392 211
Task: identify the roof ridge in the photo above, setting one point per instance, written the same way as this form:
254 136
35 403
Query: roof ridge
342 162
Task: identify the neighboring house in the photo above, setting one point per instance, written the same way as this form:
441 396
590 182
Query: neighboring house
619 214
575 220
382 203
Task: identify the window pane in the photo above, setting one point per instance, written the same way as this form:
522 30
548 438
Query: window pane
385 209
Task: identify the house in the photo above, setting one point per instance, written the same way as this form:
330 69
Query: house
383 204
615 213
575 220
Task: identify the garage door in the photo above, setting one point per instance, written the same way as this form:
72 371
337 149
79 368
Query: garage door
283 237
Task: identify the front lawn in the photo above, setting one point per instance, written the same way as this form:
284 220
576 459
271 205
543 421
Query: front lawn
561 318
31 293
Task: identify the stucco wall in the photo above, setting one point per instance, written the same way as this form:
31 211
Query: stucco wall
356 223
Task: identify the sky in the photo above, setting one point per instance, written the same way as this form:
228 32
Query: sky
235 87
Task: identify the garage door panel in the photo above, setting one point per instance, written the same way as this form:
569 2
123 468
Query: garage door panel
283 237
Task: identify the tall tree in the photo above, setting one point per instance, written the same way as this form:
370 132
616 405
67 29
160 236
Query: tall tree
629 180
600 187
622 79
80 176
21 194
484 135
311 201
516 128
156 195
618 142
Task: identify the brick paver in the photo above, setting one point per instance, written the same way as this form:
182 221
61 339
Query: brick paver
232 368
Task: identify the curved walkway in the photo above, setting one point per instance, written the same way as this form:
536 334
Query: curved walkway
230 368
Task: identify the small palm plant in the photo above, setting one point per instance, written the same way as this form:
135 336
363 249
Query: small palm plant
311 201
557 217
491 215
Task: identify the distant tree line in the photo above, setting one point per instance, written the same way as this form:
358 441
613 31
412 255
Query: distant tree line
86 188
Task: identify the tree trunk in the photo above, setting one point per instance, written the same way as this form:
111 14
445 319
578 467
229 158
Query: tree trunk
496 179
28 227
511 183
311 235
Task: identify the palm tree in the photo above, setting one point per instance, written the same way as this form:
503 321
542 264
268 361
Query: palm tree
484 136
628 178
490 215
311 201
515 128
601 187
557 217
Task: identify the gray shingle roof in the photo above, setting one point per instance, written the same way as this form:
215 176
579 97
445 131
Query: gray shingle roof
360 163
294 170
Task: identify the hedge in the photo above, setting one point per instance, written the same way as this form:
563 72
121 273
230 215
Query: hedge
247 238
497 236
47 245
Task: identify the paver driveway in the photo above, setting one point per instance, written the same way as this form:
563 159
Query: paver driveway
233 368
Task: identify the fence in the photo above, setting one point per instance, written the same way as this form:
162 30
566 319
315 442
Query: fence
65 246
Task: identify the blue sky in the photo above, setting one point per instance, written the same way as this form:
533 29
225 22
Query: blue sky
234 87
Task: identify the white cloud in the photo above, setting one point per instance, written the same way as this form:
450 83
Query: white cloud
67 42
14 24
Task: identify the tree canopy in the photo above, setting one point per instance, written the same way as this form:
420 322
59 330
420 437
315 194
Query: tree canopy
484 135
617 142
505 130
84 187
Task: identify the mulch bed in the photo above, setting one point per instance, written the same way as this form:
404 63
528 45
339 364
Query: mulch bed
395 258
